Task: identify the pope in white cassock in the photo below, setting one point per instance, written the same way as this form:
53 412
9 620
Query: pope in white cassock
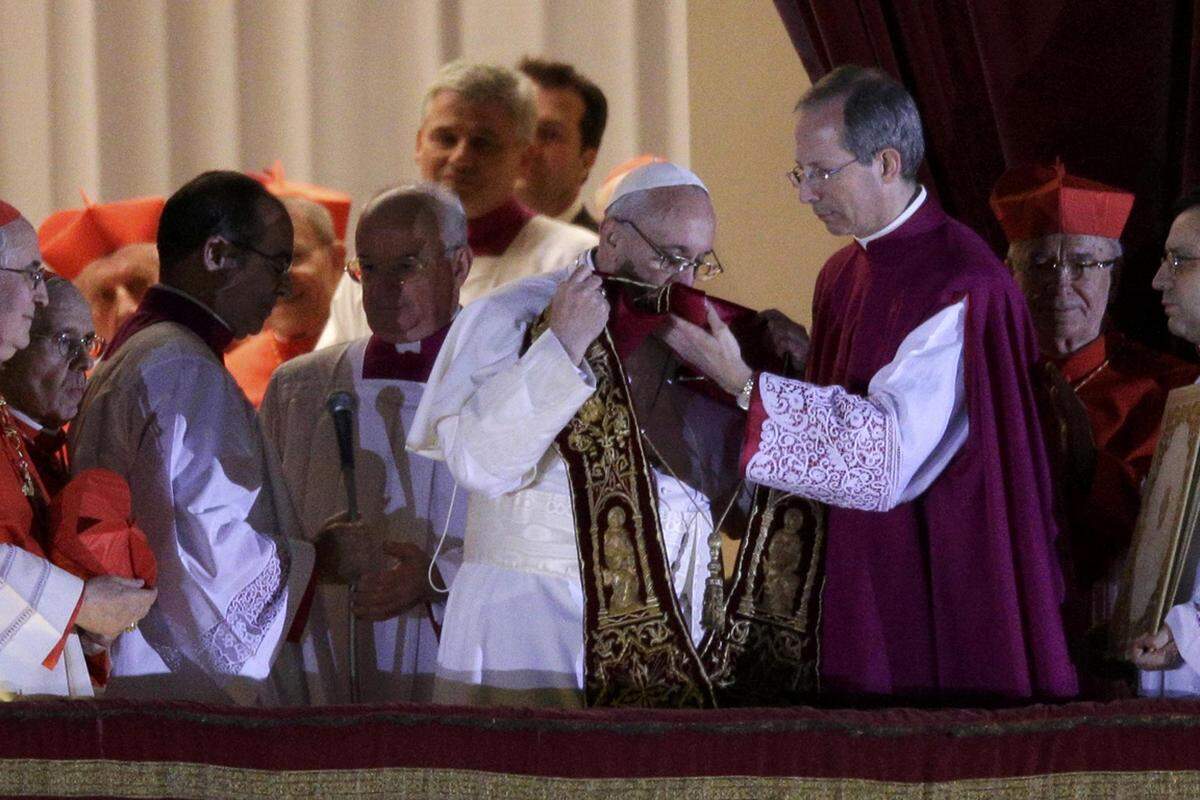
499 395
412 258
163 412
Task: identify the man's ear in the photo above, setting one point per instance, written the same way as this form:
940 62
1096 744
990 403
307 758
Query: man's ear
588 154
460 266
216 253
893 164
337 254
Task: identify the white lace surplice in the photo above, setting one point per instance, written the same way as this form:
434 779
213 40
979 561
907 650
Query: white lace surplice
166 415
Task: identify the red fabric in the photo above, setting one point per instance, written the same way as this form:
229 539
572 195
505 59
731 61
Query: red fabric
7 213
51 659
1032 202
896 745
72 239
93 532
381 360
163 305
492 233
1123 386
19 522
1007 82
255 359
335 202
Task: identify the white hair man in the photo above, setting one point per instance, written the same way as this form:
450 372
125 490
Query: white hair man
412 260
476 131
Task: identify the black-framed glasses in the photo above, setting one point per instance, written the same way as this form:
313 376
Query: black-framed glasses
1049 268
73 347
705 267
402 270
35 272
798 175
1175 261
280 262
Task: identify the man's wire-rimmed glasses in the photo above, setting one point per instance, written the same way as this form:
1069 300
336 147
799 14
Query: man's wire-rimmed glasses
798 175
71 347
35 272
705 267
1175 261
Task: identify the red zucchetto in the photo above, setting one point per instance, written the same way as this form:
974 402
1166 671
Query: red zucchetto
335 202
74 238
1032 202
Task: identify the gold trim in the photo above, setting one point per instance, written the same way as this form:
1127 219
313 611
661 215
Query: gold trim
145 779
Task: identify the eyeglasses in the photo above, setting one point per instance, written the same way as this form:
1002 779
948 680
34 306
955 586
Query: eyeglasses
798 175
1049 268
402 270
705 267
35 272
1175 262
73 347
280 262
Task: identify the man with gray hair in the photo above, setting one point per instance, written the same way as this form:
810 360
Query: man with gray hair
916 425
476 131
412 260
44 383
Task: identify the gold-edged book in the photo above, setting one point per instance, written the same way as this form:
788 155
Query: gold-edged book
1161 556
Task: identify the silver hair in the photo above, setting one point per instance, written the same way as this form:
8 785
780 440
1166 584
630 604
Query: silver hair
479 83
59 290
1022 250
427 198
879 113
317 215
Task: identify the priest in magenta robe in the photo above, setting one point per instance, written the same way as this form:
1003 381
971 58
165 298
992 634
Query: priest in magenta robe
916 424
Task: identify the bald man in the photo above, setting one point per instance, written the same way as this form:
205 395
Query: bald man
412 261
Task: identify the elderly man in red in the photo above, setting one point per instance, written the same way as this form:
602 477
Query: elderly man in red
107 250
1065 251
47 592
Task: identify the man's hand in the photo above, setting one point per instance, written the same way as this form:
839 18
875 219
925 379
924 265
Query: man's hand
345 550
578 312
391 591
788 339
112 605
1155 651
715 354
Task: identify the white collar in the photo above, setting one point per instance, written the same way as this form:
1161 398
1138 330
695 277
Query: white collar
414 346
28 420
897 222
182 293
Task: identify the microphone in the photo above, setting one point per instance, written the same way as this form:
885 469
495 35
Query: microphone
341 406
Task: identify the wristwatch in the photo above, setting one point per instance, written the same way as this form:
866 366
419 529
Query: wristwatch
743 398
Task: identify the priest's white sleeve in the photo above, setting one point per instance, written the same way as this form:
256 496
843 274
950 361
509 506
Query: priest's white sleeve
493 445
874 452
489 410
38 602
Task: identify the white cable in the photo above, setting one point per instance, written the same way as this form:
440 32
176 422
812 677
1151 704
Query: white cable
441 541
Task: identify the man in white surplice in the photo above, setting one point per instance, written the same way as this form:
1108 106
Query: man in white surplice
477 125
162 411
513 630
412 259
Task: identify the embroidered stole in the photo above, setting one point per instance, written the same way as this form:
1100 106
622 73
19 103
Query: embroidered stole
638 650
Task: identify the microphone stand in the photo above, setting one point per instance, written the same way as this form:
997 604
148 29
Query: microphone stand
341 406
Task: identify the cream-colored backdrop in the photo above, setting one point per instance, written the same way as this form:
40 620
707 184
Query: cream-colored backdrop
130 97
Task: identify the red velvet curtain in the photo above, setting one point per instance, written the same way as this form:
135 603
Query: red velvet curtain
1113 88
